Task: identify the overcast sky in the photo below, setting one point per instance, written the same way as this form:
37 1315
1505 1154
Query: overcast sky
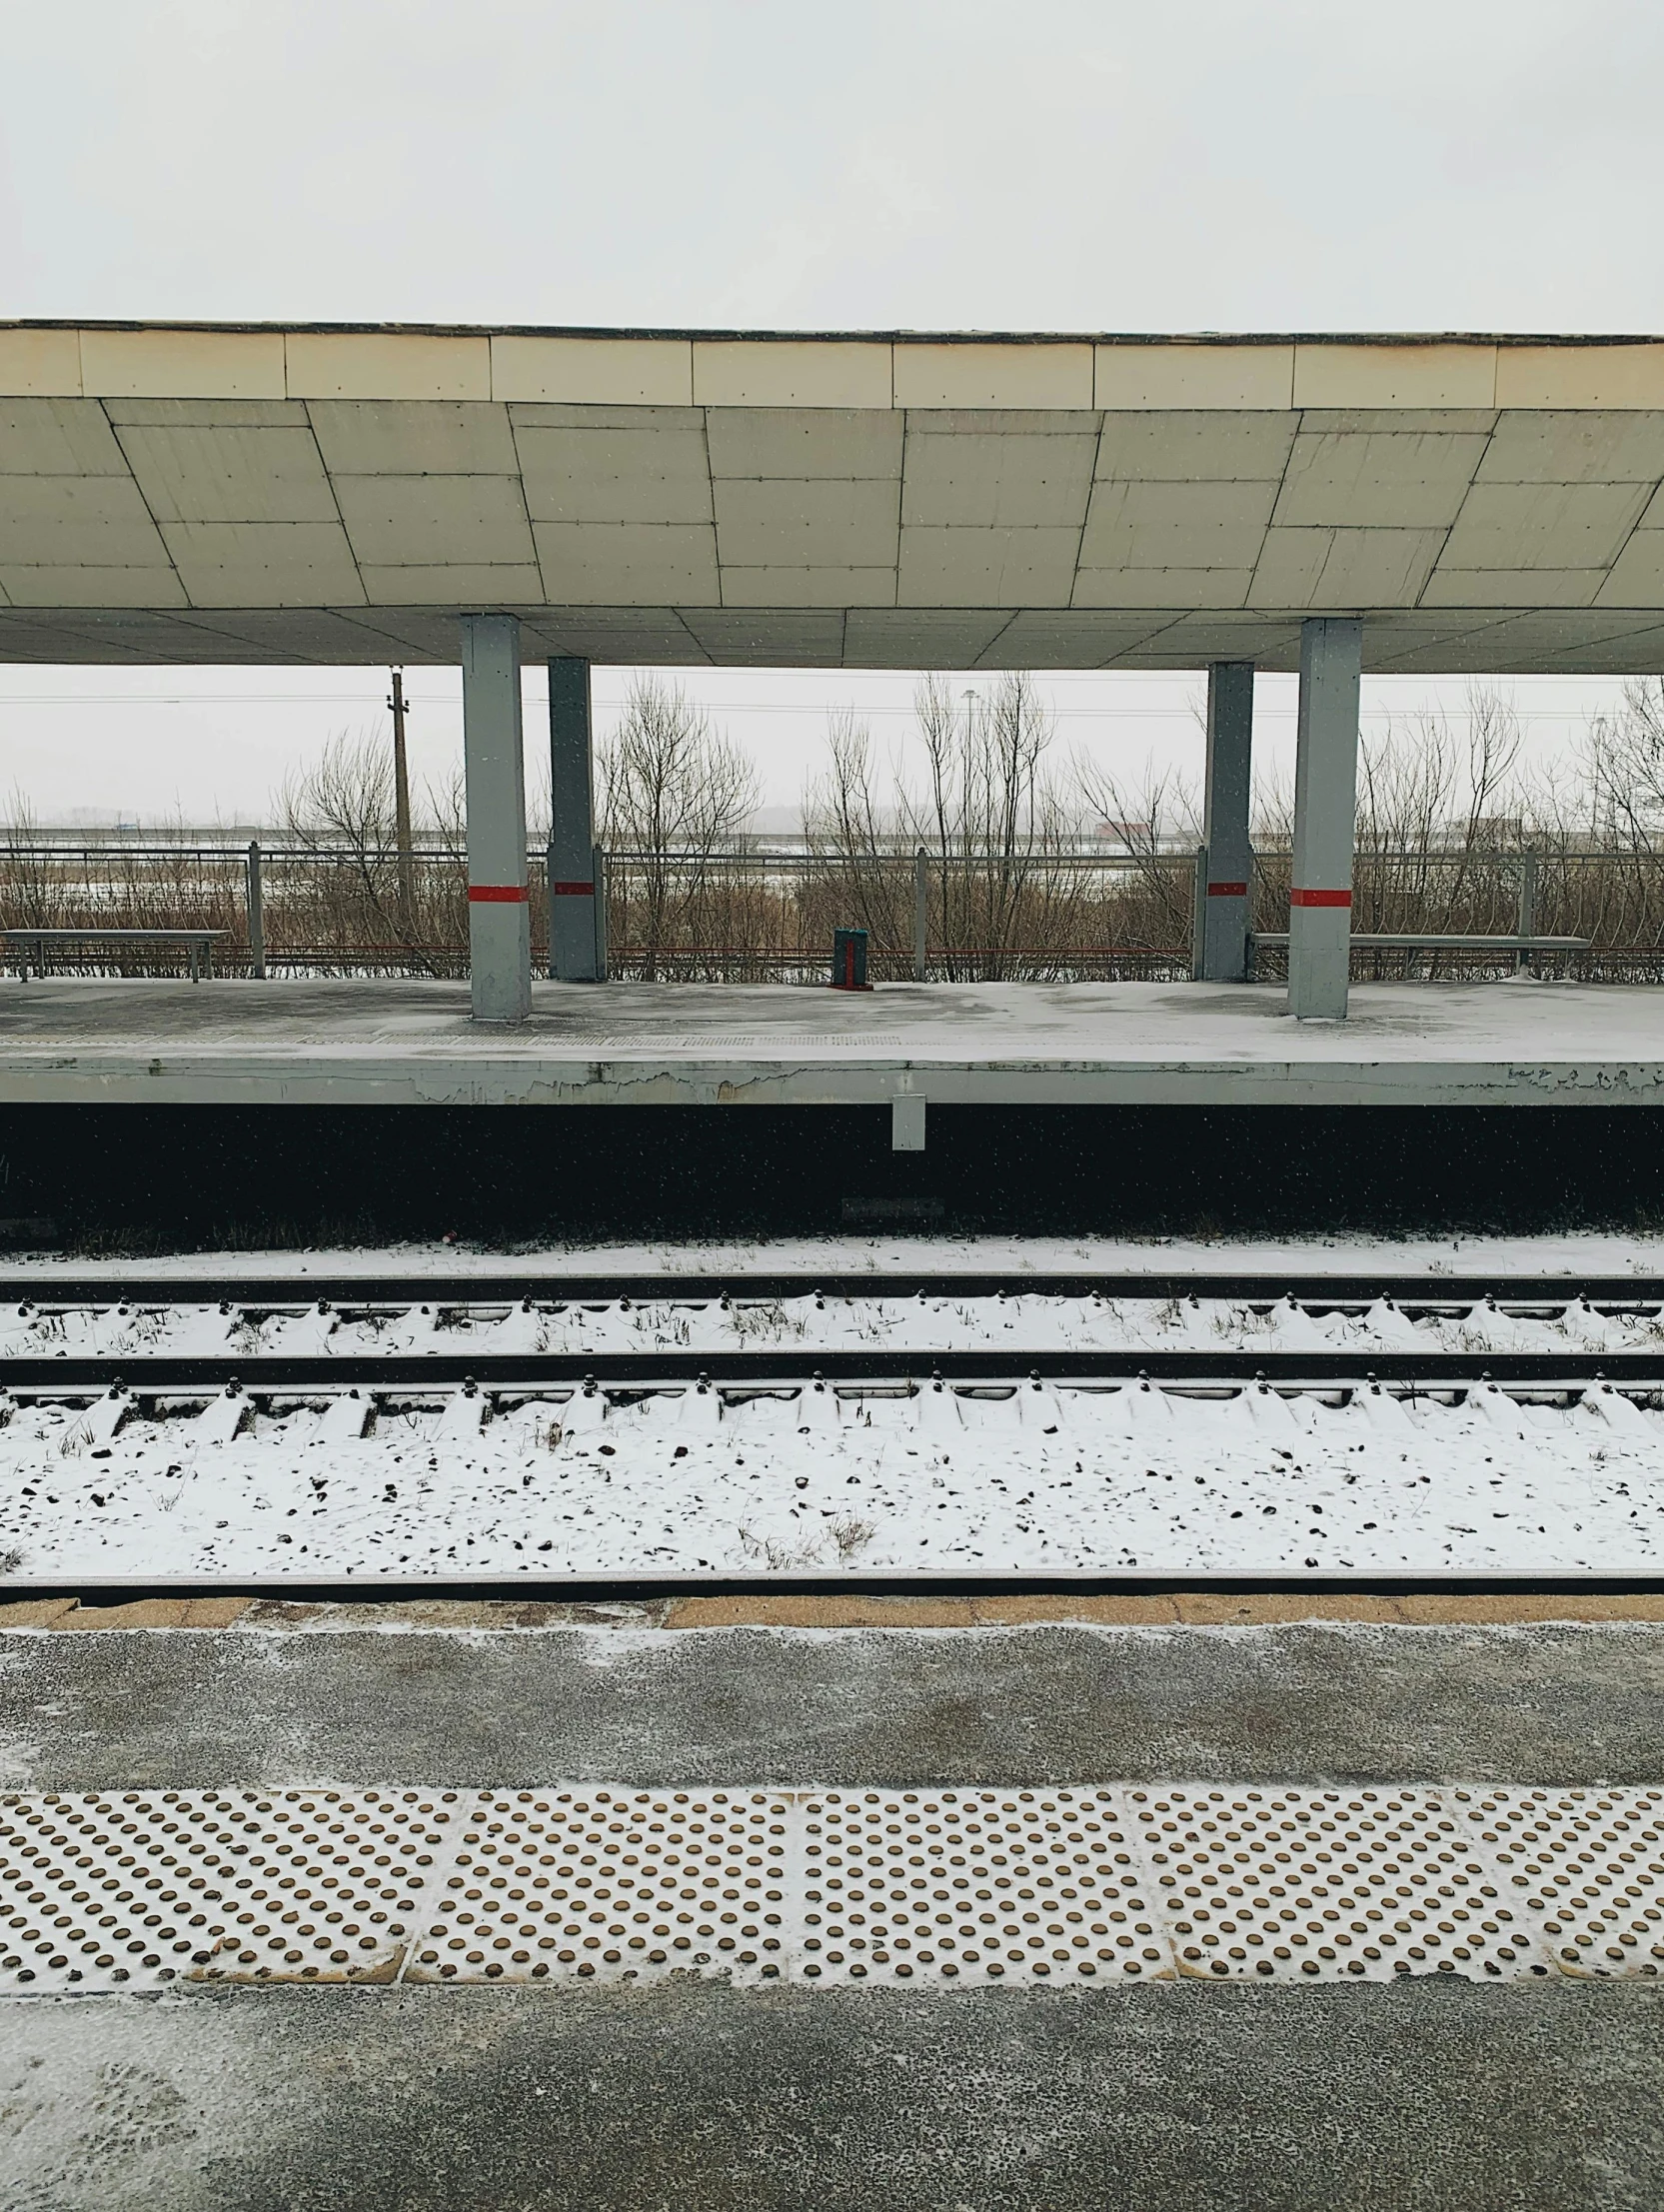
1069 164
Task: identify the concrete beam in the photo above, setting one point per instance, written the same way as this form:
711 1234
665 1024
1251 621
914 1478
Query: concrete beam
1325 816
572 937
1230 710
498 921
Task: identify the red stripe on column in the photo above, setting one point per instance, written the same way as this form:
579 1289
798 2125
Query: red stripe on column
1320 899
1228 891
489 894
572 890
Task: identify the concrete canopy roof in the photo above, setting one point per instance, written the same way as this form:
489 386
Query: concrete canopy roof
182 494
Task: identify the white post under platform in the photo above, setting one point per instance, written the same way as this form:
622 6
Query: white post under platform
498 920
1325 819
574 939
906 1123
1225 919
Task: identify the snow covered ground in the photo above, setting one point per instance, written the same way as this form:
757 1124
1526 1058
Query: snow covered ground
1573 1256
1045 1481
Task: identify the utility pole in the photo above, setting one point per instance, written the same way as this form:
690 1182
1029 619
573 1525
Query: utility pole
401 799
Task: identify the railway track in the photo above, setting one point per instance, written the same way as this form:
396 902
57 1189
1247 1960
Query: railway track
620 1434
886 1373
981 1333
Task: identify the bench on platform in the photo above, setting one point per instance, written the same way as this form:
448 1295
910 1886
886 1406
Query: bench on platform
198 945
1524 945
1431 941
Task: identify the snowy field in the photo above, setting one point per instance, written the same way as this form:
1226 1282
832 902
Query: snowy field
1036 1482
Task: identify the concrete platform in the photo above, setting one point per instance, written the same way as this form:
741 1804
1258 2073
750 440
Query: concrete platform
1430 2093
1312 1703
1442 2098
377 1043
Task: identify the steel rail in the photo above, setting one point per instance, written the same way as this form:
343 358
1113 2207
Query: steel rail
585 1589
268 1292
141 1376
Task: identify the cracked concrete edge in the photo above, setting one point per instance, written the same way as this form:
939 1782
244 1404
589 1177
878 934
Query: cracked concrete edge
1191 1608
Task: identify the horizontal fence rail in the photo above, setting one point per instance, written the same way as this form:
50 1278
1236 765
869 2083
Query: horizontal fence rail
756 914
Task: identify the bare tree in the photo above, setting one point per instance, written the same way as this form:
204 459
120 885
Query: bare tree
1156 824
990 815
346 804
989 812
26 884
674 792
856 834
345 801
1623 760
1436 806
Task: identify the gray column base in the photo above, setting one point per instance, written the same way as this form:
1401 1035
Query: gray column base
500 962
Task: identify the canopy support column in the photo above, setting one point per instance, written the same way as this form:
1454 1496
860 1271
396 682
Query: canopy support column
572 937
1231 719
499 921
1325 819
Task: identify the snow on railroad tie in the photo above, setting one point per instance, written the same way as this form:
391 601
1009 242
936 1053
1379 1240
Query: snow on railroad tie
1137 1480
1017 1324
964 1888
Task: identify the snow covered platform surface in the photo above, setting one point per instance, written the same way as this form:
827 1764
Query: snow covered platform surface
372 1042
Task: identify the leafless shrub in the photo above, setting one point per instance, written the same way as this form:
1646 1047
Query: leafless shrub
42 886
342 810
674 792
998 830
1623 761
1149 824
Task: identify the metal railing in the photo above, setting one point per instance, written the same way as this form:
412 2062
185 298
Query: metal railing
755 914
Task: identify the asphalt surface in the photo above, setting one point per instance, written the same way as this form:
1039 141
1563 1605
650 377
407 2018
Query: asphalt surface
1428 2095
1307 1702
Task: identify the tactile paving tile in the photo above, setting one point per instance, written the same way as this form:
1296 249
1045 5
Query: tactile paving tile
141 1887
1589 1866
1291 1884
826 1887
614 1885
973 1886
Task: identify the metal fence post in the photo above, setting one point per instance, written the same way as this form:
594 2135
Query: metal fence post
597 876
1198 916
256 913
920 912
1527 909
549 904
